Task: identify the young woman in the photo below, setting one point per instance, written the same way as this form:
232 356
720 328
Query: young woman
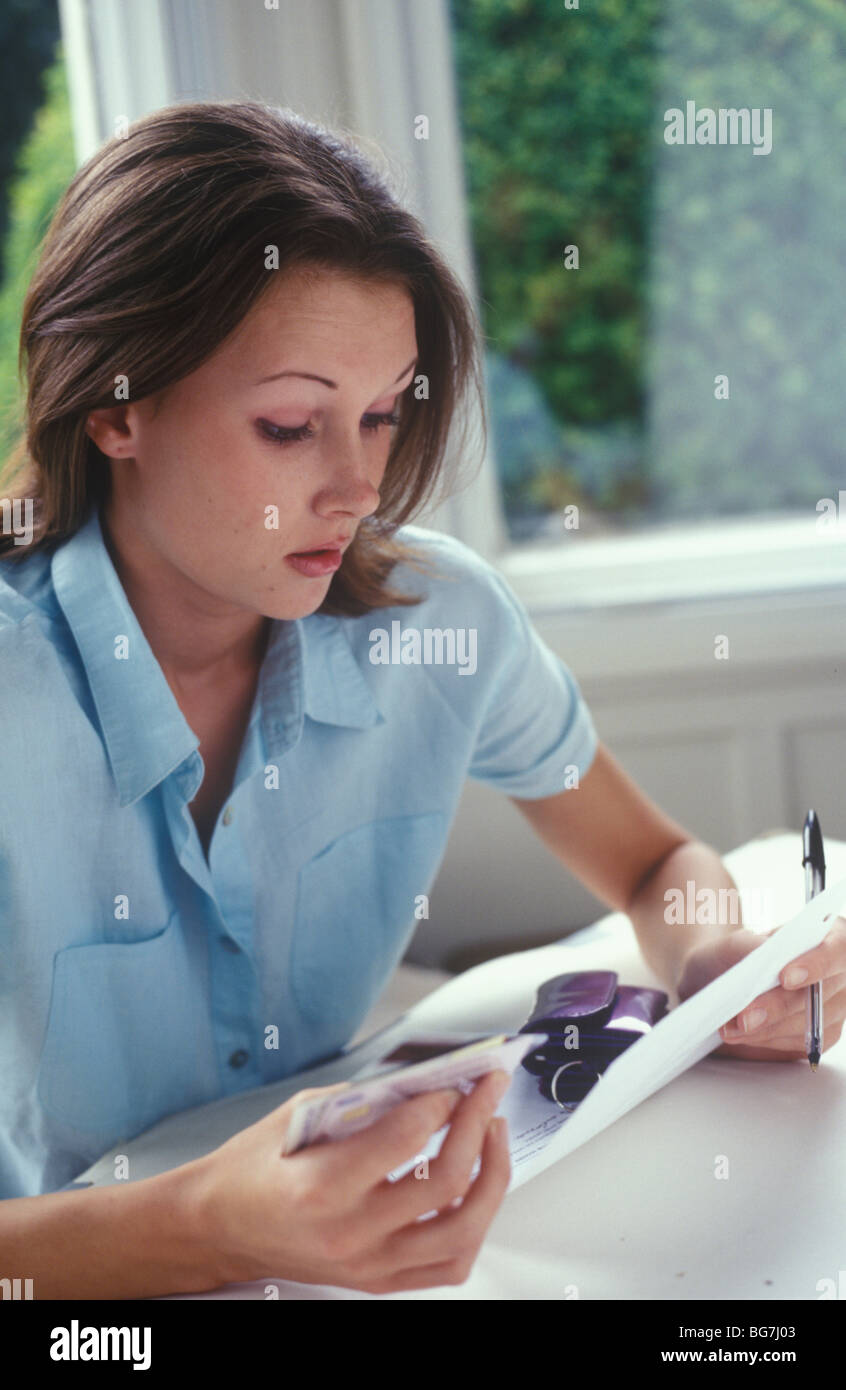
217 809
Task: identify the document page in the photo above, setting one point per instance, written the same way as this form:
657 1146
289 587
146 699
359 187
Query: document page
495 995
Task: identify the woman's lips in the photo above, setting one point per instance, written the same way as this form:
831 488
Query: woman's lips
314 563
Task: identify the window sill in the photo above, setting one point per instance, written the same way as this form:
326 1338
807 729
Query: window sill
638 608
725 559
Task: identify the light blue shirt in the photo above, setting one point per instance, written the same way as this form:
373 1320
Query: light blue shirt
137 978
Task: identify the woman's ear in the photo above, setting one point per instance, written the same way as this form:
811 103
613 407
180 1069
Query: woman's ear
111 431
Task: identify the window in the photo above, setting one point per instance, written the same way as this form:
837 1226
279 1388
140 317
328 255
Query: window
661 293
42 164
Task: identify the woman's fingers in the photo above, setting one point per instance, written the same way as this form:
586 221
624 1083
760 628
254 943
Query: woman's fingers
390 1141
829 958
783 1049
447 1245
787 1035
825 964
444 1178
785 1010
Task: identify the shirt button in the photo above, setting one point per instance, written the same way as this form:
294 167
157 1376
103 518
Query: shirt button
230 944
238 1058
227 816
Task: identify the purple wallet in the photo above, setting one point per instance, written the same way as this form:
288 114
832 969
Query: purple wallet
590 1020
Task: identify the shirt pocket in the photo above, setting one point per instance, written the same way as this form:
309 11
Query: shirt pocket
354 917
118 1048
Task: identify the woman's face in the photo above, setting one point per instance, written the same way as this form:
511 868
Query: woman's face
202 471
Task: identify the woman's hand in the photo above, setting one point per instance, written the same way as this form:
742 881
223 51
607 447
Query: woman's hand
328 1214
780 1036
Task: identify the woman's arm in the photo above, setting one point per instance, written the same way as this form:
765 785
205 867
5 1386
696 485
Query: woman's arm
623 847
629 853
328 1214
130 1240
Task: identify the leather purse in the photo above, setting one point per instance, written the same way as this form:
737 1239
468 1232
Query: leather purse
590 1020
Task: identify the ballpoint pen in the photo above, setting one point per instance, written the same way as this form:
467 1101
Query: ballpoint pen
814 865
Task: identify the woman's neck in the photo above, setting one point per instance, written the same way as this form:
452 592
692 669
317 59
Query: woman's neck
198 640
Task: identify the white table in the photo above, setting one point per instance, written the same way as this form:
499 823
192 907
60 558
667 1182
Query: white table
637 1212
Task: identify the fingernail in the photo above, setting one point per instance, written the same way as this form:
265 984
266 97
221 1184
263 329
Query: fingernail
754 1019
795 976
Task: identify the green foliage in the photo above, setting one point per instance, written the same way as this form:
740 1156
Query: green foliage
693 261
556 108
29 32
45 167
749 266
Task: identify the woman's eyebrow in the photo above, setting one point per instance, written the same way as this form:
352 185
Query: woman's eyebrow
310 376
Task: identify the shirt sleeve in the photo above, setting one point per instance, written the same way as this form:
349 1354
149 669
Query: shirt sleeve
535 726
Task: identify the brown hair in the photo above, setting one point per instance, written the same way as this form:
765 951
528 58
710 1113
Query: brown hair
156 252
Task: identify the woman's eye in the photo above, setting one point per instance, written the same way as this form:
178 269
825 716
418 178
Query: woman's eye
374 422
282 435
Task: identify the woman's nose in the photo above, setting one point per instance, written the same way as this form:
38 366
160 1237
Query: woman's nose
354 477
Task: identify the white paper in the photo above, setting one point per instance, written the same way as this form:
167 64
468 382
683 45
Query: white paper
540 1133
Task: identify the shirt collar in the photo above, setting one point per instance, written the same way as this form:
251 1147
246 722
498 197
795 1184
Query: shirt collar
309 668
